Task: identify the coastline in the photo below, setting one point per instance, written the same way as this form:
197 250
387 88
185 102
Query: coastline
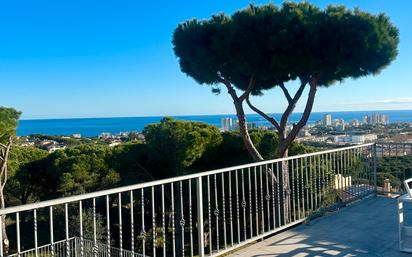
94 126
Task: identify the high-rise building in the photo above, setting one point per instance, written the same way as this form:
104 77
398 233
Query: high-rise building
327 121
366 119
384 119
354 123
340 127
226 123
252 125
319 122
377 118
235 125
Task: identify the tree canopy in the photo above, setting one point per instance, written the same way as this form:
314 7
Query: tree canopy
9 118
231 151
262 47
26 171
80 169
178 144
274 45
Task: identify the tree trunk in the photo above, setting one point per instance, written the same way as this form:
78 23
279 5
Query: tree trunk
245 134
286 138
240 113
3 181
284 152
5 242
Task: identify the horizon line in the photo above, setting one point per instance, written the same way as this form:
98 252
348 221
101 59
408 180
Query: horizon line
188 115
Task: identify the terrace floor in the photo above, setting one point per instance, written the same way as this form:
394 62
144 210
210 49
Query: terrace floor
366 228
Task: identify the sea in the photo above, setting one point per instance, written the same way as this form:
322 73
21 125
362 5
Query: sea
91 127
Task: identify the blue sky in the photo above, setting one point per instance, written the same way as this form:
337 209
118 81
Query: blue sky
73 58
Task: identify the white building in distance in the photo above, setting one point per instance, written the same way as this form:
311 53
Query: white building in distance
104 135
376 118
356 139
226 124
355 123
327 121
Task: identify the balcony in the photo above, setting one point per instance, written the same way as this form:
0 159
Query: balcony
224 211
367 228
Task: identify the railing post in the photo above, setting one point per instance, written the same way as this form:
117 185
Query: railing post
199 195
1 235
374 168
75 247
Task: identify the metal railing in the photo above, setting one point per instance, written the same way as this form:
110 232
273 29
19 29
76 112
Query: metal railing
394 165
393 149
89 249
208 213
58 248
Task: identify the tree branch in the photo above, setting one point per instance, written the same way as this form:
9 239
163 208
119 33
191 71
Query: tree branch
242 120
230 90
292 105
306 113
264 115
2 145
300 91
286 92
3 171
248 89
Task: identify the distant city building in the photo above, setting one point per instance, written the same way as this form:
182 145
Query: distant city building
340 127
342 139
252 125
385 119
229 124
366 119
360 139
319 123
133 136
140 136
355 139
304 132
27 143
327 121
335 122
376 119
113 141
104 135
46 143
226 124
124 134
355 123
77 135
235 125
54 147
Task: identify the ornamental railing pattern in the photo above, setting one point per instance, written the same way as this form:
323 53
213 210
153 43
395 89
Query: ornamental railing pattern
208 213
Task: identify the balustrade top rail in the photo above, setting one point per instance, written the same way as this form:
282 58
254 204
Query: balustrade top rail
76 198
